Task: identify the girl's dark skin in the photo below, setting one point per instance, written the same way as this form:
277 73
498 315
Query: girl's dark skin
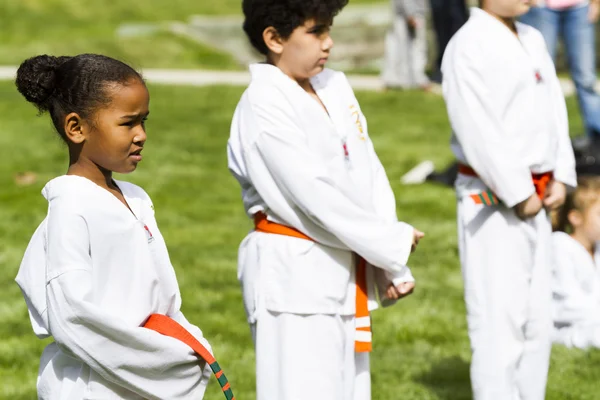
112 138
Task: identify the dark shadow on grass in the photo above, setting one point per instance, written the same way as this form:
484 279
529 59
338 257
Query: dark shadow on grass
449 379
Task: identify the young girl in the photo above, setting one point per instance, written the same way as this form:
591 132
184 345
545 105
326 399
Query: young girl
510 136
97 267
576 272
322 206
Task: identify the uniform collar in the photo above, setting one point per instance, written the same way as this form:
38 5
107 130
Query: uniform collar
499 28
263 72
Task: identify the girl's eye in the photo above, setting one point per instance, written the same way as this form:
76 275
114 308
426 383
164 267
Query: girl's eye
133 123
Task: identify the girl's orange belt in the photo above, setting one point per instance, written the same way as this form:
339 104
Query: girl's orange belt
540 181
169 327
363 336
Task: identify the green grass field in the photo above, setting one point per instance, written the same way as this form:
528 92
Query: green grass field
421 347
74 26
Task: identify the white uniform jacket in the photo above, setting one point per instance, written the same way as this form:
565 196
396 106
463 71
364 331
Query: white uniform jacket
315 171
506 108
575 283
92 274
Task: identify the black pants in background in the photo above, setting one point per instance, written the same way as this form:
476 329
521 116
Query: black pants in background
448 16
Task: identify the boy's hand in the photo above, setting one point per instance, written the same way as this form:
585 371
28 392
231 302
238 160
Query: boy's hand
417 235
400 291
528 208
555 195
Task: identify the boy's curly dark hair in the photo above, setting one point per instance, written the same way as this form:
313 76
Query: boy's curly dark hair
284 16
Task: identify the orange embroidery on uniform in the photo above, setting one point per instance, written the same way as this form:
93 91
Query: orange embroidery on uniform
356 116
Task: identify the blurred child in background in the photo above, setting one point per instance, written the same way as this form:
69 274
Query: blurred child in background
576 267
406 46
511 138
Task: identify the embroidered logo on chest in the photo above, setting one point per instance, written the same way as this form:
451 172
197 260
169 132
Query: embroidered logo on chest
356 118
346 153
148 234
538 77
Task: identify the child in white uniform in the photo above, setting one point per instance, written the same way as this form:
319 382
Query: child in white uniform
406 46
97 267
325 215
576 268
510 136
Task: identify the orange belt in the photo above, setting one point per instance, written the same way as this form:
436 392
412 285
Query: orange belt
168 327
363 336
540 181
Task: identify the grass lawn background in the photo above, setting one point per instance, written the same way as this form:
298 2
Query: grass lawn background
68 27
421 346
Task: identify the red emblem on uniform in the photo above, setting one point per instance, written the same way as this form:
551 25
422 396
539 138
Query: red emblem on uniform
148 233
538 77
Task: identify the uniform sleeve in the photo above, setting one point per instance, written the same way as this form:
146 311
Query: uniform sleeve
385 206
384 278
180 318
565 159
383 195
281 151
571 303
32 281
384 202
398 7
138 359
478 127
410 7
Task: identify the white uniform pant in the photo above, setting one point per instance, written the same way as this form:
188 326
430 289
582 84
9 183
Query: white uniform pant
308 357
506 271
405 54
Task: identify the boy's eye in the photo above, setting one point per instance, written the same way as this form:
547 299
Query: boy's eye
319 30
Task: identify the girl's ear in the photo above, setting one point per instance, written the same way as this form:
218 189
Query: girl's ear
575 218
74 130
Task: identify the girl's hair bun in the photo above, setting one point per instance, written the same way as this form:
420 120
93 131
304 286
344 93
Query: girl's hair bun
36 79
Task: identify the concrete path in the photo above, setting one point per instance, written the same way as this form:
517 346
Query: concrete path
239 78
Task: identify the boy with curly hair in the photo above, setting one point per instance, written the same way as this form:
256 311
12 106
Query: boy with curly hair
326 234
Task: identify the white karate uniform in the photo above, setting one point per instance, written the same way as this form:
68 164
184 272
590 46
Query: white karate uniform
576 293
509 119
91 276
315 171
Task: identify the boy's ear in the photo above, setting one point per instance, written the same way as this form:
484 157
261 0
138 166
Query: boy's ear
74 130
273 40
